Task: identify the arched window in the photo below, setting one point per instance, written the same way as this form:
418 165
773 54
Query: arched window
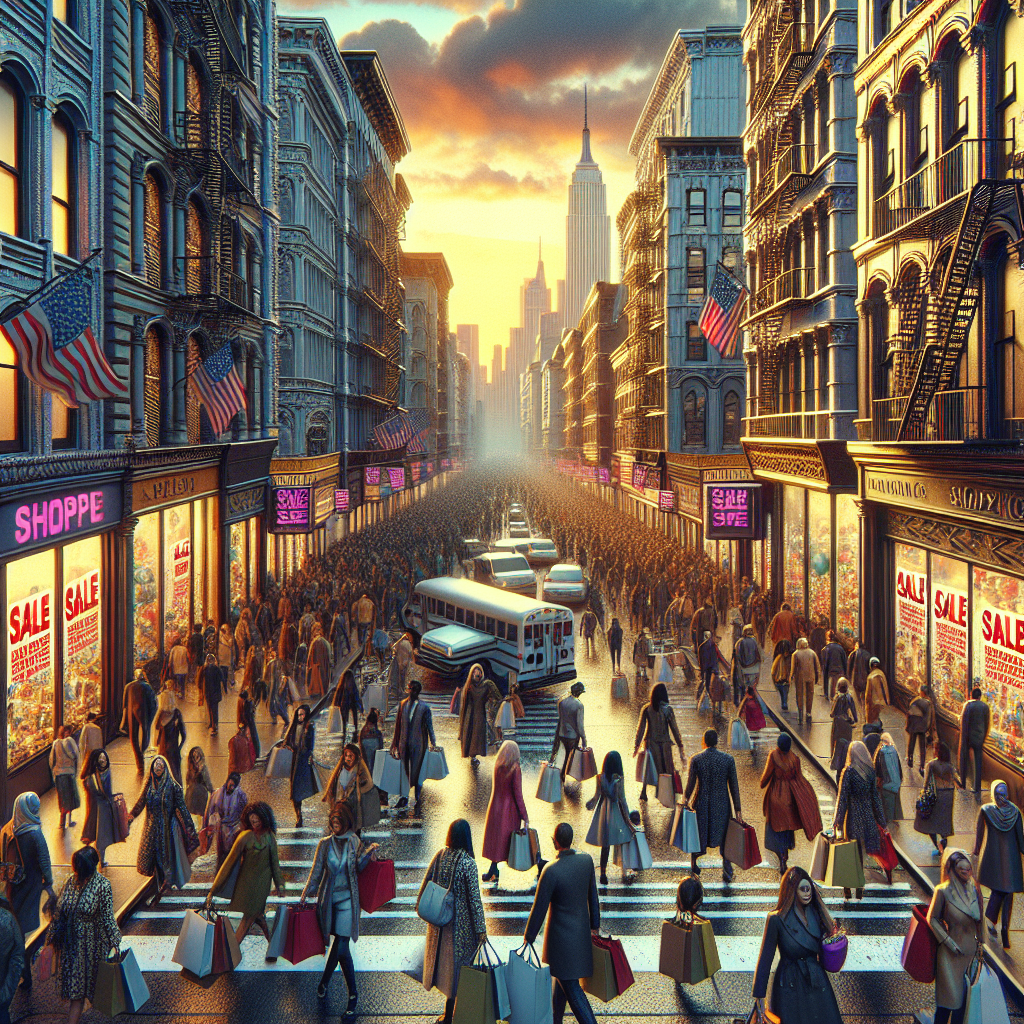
193 407
952 102
731 419
195 127
693 418
153 387
878 339
195 236
317 437
12 138
10 397
153 70
64 201
419 396
153 236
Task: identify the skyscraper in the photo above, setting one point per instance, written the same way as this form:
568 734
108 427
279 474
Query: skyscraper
469 342
587 231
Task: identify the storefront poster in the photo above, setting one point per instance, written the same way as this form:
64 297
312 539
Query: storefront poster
291 510
1002 650
181 562
733 511
396 478
911 618
666 501
29 642
82 615
949 615
341 500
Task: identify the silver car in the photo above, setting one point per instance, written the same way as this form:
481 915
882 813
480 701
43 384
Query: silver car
566 583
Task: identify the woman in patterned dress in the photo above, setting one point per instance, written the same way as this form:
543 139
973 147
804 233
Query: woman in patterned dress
85 909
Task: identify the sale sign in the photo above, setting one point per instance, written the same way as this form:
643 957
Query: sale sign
29 639
181 561
1002 648
733 511
82 614
291 510
911 625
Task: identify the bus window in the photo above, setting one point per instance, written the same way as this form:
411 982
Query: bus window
513 633
432 607
528 633
460 615
449 611
490 625
470 619
558 633
501 629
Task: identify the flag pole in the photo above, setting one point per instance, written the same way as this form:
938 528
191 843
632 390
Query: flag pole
27 300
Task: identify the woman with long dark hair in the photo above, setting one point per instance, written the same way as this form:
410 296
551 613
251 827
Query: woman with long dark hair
655 732
789 802
299 739
610 825
801 991
934 816
352 784
99 827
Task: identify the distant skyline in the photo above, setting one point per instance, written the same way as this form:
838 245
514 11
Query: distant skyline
492 99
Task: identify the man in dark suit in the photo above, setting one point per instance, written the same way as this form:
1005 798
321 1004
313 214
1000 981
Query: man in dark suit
833 664
975 722
713 774
567 896
414 729
139 703
570 732
858 666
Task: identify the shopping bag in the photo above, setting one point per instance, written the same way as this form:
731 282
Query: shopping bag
685 835
845 869
529 988
279 930
621 973
456 702
120 986
506 718
756 1018
488 961
369 805
635 855
389 774
984 1002
582 764
741 847
919 947
833 952
666 791
303 937
120 817
705 702
435 765
739 738
226 954
474 998
194 948
377 884
620 687
646 772
279 764
602 982
44 962
549 785
886 856
522 850
374 696
334 720
689 953
819 858
664 671
677 783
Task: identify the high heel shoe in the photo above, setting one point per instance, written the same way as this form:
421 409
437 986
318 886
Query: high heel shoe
350 1010
491 876
1006 938
604 879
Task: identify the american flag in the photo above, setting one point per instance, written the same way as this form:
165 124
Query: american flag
56 347
219 388
720 318
394 432
420 424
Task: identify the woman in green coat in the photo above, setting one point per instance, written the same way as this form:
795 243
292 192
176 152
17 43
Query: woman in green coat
249 869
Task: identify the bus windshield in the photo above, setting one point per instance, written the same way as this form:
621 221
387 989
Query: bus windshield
513 563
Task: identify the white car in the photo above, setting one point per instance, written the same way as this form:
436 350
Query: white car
506 572
566 583
517 529
541 551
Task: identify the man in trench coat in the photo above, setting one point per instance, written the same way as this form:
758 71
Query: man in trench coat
414 729
139 703
713 774
567 896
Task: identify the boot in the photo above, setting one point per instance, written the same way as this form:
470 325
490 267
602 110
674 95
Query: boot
1006 937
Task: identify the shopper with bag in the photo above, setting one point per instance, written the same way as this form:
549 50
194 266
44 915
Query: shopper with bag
347 702
655 732
371 739
570 732
198 784
934 816
452 946
226 656
713 790
859 813
889 773
781 665
477 693
611 825
101 824
506 810
805 672
746 664
920 726
169 732
999 840
64 766
250 867
209 682
844 716
801 990
750 711
83 930
614 638
299 740
224 814
334 881
689 953
352 784
414 734
955 918
168 836
789 802
567 897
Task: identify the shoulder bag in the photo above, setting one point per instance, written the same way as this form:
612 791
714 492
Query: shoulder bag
12 872
926 802
436 904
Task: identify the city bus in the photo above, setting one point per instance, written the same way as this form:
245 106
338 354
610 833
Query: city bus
460 622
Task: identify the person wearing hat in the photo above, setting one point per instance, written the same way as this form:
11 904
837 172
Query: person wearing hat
570 730
876 696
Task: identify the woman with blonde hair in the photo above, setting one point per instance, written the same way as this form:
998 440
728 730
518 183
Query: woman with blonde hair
859 814
506 810
889 773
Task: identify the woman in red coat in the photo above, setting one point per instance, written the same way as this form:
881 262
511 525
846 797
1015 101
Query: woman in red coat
506 812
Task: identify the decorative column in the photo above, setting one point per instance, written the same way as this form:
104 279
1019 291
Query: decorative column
138 49
137 384
138 200
179 430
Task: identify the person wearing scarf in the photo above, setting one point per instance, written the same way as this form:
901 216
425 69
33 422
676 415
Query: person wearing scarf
99 827
22 842
859 813
168 836
954 917
999 840
64 758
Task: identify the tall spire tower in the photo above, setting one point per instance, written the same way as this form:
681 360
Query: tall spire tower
587 230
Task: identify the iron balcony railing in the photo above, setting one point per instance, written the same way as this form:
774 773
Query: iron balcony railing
792 160
205 276
956 415
790 285
806 426
796 39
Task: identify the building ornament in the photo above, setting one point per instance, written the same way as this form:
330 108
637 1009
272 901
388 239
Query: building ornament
1004 552
784 460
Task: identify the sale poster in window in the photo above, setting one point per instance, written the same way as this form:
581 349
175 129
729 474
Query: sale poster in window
81 644
29 674
949 617
911 616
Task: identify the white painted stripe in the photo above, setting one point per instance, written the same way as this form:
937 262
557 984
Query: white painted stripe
405 953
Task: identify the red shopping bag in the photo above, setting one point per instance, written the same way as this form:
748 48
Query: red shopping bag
620 965
377 884
677 783
304 938
886 857
741 846
226 953
919 948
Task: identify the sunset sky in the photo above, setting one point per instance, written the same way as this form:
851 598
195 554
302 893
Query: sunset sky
492 99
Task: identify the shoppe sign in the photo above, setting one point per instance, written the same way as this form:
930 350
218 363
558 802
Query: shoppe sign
666 501
341 500
732 511
291 509
54 518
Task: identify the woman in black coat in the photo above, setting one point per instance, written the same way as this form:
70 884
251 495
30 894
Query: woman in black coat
614 637
299 739
801 991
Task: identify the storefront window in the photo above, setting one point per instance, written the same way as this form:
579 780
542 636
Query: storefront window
999 654
767 582
147 593
82 612
199 567
238 564
819 557
793 547
254 547
177 573
847 568
948 621
30 656
911 611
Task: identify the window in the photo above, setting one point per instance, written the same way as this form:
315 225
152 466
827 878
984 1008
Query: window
153 233
11 136
10 398
732 208
193 411
513 633
696 277
731 262
194 263
449 611
152 387
63 197
693 418
501 629
696 346
490 625
195 128
153 71
63 424
460 616
696 207
528 633
731 419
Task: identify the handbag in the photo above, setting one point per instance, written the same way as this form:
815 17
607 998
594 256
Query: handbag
377 884
685 834
436 904
646 772
739 736
741 846
279 764
845 869
920 947
44 962
435 765
833 952
819 858
886 856
303 937
620 687
549 785
529 987
13 872
666 791
120 986
582 764
523 848
926 801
